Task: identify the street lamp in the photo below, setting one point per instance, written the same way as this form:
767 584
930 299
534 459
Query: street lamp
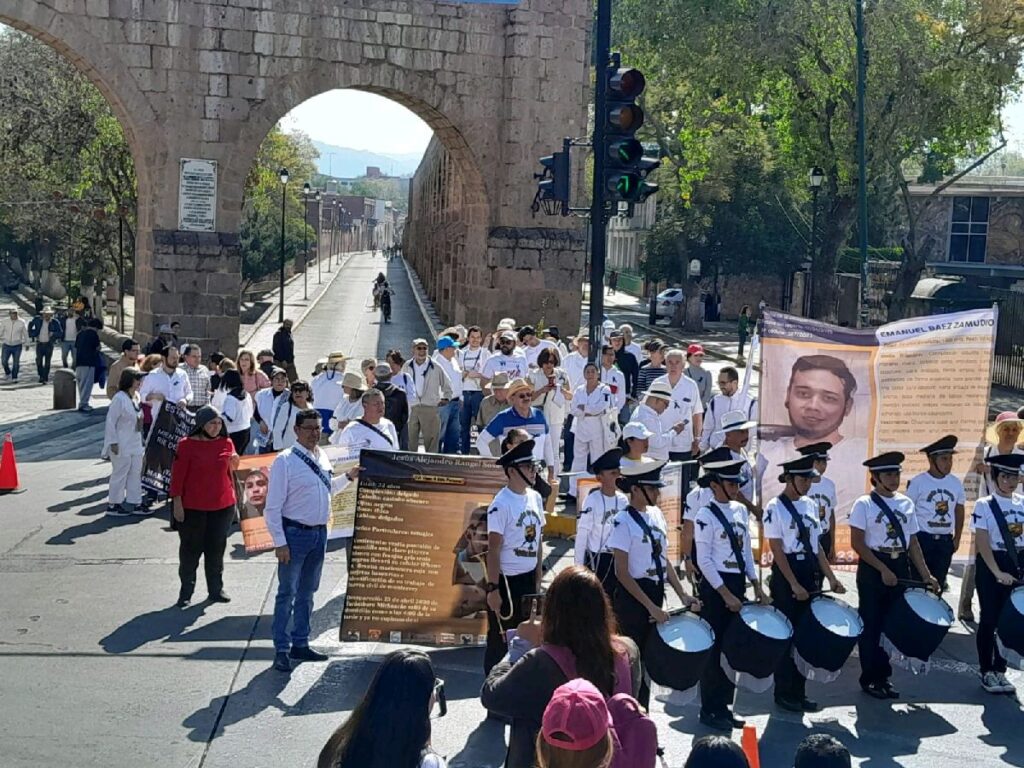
306 191
816 179
283 173
319 222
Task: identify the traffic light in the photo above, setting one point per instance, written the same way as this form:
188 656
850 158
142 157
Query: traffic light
626 168
553 182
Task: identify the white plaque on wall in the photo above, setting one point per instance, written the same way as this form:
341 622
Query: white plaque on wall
197 196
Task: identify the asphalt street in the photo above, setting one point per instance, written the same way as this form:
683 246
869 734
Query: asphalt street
97 668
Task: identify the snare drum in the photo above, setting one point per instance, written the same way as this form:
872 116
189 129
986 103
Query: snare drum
915 627
825 638
1010 629
755 642
677 653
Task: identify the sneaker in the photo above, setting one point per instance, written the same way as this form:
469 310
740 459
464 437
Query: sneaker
990 682
116 510
220 597
1006 685
142 510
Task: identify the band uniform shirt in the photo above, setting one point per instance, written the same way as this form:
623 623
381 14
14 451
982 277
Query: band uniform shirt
614 379
747 473
823 494
296 492
594 523
878 534
695 499
515 365
714 549
519 518
472 360
984 519
685 403
357 437
935 501
780 525
628 537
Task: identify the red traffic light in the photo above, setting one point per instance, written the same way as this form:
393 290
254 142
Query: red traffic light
626 83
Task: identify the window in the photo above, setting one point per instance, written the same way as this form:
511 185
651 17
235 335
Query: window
969 231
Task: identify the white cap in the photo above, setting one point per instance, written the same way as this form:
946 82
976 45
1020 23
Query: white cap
734 421
636 431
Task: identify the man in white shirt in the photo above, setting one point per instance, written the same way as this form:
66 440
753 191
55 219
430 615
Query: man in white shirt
168 382
939 501
574 363
429 390
506 359
532 345
655 413
472 359
372 432
613 378
686 405
629 345
13 337
730 398
450 428
297 511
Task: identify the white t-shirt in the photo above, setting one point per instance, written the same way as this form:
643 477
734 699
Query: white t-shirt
630 538
514 365
347 410
695 499
472 360
573 364
714 548
935 501
596 403
357 436
520 520
237 414
454 371
685 403
532 353
614 379
984 519
594 522
779 524
327 391
867 516
823 494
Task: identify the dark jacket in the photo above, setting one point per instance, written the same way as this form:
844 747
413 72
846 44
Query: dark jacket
630 369
87 348
36 325
284 346
396 405
522 692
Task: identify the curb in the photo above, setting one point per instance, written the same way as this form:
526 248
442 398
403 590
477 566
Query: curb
430 314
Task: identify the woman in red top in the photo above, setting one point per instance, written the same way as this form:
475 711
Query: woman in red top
203 494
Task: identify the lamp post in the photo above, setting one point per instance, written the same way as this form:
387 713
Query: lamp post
306 191
283 173
862 163
816 178
319 222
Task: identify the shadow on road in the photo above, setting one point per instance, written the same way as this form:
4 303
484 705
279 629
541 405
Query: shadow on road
95 526
64 506
164 624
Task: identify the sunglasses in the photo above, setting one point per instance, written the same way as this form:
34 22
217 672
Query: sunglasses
524 396
420 349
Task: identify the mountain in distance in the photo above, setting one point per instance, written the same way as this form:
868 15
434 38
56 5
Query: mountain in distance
348 163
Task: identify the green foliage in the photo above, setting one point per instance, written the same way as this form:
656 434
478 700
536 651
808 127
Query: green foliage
383 189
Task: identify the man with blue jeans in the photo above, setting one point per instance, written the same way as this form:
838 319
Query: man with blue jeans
472 359
14 337
450 429
297 510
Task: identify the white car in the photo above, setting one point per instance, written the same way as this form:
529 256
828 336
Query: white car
668 300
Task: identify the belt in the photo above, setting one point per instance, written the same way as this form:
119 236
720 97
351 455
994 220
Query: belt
936 536
892 552
288 523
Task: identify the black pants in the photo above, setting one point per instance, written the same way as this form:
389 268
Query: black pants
689 470
241 440
717 691
519 586
603 566
938 554
992 595
789 683
635 622
875 601
827 543
568 448
44 353
203 534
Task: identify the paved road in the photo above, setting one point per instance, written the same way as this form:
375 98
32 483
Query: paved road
97 668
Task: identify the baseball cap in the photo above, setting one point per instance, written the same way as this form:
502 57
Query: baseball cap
637 431
576 718
419 342
695 349
382 371
507 335
446 342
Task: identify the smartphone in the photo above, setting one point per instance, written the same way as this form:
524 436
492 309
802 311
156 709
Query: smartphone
526 604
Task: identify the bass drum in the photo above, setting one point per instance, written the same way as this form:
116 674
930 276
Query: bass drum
1010 629
677 653
754 644
825 638
915 627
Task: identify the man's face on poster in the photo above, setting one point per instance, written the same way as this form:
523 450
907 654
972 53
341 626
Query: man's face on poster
256 489
817 403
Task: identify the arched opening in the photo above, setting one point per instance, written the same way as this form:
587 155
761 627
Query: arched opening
69 211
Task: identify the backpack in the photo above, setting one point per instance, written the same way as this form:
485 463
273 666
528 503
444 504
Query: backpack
634 735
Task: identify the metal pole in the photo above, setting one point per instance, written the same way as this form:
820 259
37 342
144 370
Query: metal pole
809 288
862 164
280 306
319 242
305 248
598 234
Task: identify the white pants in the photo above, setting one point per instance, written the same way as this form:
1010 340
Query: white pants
592 438
125 479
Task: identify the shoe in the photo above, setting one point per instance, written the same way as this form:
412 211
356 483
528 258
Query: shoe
990 682
142 510
967 617
116 510
716 722
183 601
891 692
737 722
1005 684
809 705
281 663
788 704
305 653
875 690
220 597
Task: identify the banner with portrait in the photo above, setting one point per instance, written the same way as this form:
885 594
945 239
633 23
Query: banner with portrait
417 571
894 388
170 425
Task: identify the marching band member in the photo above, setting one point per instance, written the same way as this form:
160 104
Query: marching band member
823 494
639 543
695 500
791 528
883 530
939 501
726 561
595 520
998 522
515 520
735 429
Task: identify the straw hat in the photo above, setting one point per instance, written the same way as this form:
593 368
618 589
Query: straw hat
353 380
518 385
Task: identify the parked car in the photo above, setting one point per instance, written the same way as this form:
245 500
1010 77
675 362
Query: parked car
668 300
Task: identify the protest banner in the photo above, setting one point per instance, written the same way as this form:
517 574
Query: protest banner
169 425
894 388
417 573
343 505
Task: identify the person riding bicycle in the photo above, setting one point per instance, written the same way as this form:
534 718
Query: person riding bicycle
385 301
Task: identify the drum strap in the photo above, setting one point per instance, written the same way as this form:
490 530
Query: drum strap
801 526
655 544
1004 531
891 517
734 540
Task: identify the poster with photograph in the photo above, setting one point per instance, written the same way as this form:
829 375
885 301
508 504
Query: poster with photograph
417 571
170 425
343 504
252 480
894 388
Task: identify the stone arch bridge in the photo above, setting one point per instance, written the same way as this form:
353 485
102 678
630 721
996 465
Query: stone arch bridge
207 79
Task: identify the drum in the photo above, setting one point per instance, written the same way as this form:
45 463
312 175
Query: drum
915 627
756 641
825 638
677 653
1010 629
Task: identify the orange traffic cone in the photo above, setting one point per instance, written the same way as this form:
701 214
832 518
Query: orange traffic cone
9 468
750 746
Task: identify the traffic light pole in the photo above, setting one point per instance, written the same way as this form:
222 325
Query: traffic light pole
598 233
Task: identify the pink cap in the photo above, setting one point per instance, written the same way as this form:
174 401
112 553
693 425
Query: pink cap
1007 416
695 349
576 718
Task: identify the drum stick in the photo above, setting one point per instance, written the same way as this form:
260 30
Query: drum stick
679 611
